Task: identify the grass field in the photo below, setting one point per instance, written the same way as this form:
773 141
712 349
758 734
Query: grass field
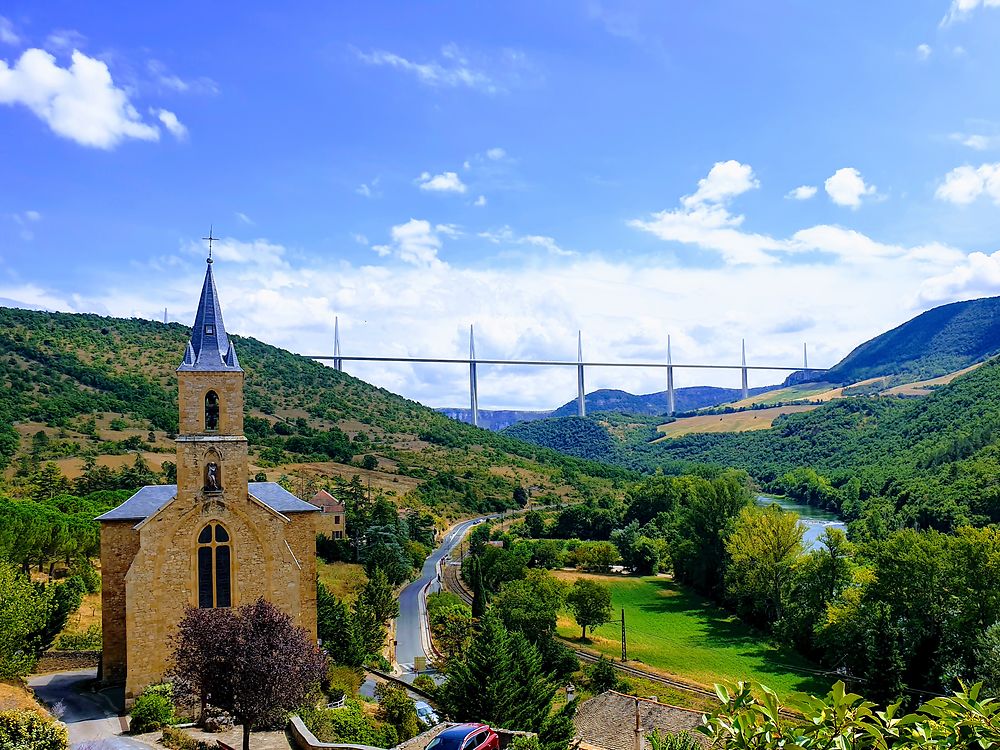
343 579
740 421
680 633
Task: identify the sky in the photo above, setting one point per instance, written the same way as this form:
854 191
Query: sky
779 172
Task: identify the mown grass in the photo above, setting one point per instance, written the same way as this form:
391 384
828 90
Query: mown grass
678 632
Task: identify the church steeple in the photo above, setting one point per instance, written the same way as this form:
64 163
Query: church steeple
209 349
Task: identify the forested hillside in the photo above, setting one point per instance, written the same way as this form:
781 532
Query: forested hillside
97 387
934 343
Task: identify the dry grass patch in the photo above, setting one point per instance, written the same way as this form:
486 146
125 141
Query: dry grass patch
344 580
741 421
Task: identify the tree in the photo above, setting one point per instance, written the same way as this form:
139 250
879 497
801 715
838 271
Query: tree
499 682
453 627
369 462
530 605
535 524
557 730
375 606
520 496
396 708
478 590
337 629
602 676
20 616
199 653
763 548
266 665
590 603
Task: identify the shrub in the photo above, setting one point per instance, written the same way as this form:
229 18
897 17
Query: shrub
343 680
425 682
178 739
524 742
152 710
26 730
89 640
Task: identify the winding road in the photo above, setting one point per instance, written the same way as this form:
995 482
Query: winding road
411 631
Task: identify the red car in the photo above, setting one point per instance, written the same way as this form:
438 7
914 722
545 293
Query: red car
466 737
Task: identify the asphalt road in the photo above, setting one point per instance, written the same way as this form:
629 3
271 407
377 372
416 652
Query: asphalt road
92 718
408 624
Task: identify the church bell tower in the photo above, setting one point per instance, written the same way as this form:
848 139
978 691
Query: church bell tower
211 448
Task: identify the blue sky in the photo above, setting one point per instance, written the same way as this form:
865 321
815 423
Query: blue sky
783 171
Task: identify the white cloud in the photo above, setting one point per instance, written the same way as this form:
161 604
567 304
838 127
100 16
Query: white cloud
446 182
400 308
923 51
24 221
977 275
368 190
81 102
360 238
165 79
846 187
961 9
507 236
452 71
706 223
171 123
802 193
32 216
480 201
977 141
259 252
965 184
7 33
65 40
244 218
416 242
496 154
725 180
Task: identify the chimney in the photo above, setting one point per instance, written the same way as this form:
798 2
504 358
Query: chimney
640 741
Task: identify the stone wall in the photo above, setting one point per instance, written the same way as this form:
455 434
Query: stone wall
119 544
271 558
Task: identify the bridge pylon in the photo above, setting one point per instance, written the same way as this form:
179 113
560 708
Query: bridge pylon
581 401
670 381
473 380
746 390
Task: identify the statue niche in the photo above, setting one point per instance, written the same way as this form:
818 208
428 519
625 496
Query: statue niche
213 477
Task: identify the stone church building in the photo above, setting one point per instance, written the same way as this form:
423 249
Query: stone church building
213 539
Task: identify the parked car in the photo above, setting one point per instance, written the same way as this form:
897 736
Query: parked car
466 737
426 714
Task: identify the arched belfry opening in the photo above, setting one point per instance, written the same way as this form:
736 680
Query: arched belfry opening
214 567
211 411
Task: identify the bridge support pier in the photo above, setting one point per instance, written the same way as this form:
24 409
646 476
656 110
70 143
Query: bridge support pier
581 402
670 382
473 384
746 391
805 357
338 363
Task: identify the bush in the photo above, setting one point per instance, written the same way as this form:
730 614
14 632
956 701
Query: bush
178 739
26 730
524 742
89 640
349 724
152 710
425 682
343 680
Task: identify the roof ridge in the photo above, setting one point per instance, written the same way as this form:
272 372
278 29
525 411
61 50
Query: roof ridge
656 702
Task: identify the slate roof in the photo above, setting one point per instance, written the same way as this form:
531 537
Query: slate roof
209 349
608 720
150 499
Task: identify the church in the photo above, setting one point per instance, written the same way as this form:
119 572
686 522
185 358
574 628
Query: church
214 539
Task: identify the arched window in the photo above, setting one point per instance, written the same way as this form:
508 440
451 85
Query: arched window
211 411
214 567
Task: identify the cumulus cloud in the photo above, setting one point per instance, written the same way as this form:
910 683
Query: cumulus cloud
416 242
846 187
704 221
7 33
802 193
507 236
965 184
961 9
923 51
65 40
977 275
446 182
452 70
368 189
496 154
480 201
80 103
171 123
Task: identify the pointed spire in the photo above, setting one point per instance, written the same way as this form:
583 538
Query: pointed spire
209 349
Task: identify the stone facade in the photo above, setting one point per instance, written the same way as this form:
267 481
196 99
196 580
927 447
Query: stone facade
150 544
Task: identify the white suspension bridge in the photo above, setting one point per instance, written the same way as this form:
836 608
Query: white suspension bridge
473 362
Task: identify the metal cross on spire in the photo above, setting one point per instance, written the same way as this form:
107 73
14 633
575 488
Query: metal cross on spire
210 239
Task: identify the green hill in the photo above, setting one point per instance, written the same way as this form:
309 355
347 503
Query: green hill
934 343
103 388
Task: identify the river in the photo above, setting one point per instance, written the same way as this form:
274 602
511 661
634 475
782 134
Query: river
814 519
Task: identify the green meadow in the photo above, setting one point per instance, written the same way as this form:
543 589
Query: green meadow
676 631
